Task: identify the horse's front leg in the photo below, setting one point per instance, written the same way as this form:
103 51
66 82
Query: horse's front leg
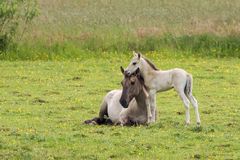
152 101
123 118
149 113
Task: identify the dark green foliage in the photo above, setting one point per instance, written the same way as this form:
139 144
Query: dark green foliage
12 14
201 45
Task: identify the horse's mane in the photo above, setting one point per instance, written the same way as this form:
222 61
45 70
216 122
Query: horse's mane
151 64
141 79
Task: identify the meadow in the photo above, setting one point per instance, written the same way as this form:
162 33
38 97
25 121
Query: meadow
44 103
68 29
54 76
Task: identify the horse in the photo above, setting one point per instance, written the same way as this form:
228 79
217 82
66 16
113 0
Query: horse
159 81
134 94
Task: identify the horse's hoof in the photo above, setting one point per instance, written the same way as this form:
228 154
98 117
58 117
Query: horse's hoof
87 121
187 124
198 124
152 121
93 123
148 122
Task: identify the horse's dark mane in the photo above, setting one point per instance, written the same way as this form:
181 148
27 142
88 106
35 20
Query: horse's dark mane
151 64
141 79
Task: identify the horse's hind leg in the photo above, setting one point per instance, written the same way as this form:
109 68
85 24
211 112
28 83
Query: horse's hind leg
93 121
186 105
194 102
103 109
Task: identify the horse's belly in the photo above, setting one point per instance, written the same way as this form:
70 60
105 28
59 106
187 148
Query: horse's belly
164 87
162 83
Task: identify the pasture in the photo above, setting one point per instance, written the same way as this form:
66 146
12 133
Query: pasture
43 105
58 68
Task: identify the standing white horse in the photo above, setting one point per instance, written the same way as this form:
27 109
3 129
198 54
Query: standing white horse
159 81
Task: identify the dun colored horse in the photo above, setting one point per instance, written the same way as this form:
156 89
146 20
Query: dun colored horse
133 94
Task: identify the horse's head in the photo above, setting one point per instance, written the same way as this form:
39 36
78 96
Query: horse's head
134 64
132 86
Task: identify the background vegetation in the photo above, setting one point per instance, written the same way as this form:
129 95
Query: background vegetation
68 29
12 14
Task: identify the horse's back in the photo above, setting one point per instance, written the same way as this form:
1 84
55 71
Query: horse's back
179 73
110 95
179 70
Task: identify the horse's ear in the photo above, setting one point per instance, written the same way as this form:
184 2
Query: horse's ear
139 55
134 53
122 70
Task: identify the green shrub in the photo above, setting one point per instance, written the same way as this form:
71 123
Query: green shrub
14 13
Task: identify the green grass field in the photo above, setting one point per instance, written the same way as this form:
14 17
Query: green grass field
44 103
55 76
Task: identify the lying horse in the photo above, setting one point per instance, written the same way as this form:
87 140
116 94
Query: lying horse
159 81
134 94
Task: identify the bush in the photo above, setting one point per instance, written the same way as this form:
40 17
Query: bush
14 13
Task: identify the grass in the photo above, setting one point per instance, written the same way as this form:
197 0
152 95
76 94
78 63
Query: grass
72 53
43 105
83 18
198 45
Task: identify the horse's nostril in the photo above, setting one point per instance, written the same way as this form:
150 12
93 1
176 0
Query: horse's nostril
124 103
127 73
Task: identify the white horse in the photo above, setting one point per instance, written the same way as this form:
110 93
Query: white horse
133 95
159 81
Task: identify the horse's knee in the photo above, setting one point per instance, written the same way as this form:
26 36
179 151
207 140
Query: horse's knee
123 119
194 103
186 104
185 100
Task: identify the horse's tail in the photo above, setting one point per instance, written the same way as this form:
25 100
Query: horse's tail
103 109
189 84
100 120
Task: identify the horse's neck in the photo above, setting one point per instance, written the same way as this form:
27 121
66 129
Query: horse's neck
141 99
148 72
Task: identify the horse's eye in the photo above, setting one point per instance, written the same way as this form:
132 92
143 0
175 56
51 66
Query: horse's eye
134 63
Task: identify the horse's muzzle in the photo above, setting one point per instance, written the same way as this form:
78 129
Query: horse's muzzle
124 103
128 73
